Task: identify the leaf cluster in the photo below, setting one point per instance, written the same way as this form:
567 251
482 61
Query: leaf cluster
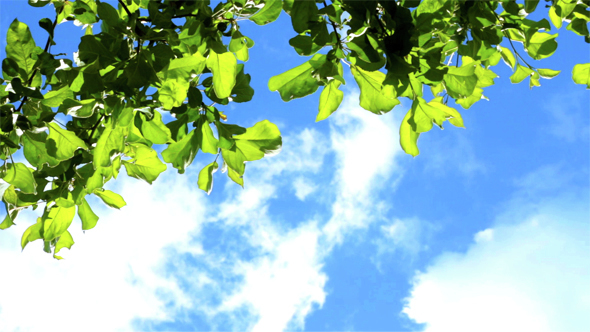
154 75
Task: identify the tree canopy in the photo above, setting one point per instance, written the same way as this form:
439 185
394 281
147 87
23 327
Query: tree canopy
77 122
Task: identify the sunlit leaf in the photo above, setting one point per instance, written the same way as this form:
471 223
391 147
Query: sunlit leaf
110 198
581 74
61 144
205 181
20 176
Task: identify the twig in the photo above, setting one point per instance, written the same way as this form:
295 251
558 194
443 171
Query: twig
125 7
46 49
94 127
509 40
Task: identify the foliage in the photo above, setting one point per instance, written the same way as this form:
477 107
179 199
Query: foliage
77 123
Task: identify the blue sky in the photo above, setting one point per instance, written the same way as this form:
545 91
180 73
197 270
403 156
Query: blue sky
487 229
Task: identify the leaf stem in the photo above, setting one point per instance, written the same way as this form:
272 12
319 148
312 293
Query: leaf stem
45 50
125 7
517 54
94 127
509 40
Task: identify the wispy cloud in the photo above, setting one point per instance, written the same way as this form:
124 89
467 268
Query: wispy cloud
407 238
230 261
568 115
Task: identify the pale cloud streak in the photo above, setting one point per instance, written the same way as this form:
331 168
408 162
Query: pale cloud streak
153 261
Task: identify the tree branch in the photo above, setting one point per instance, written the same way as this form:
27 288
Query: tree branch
125 7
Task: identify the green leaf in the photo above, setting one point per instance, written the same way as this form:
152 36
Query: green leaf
205 181
461 81
548 73
330 99
181 69
237 42
34 232
110 198
297 82
408 136
264 138
108 14
145 164
578 26
155 130
530 5
304 45
182 153
110 142
59 218
176 77
35 149
467 102
520 74
555 18
79 108
87 216
508 57
55 98
373 97
206 140
19 47
541 45
581 74
20 176
235 177
172 94
302 13
65 241
61 144
39 3
242 91
451 114
91 49
9 219
139 72
223 68
269 13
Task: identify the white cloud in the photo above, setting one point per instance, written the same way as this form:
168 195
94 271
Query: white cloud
407 236
303 188
366 146
529 275
150 263
283 286
113 274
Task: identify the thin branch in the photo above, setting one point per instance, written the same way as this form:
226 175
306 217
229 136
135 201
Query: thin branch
46 49
95 126
125 7
217 156
517 54
509 40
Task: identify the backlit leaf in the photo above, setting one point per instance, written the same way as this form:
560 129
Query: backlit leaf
87 216
330 99
581 74
373 97
61 144
205 181
20 176
110 198
223 67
